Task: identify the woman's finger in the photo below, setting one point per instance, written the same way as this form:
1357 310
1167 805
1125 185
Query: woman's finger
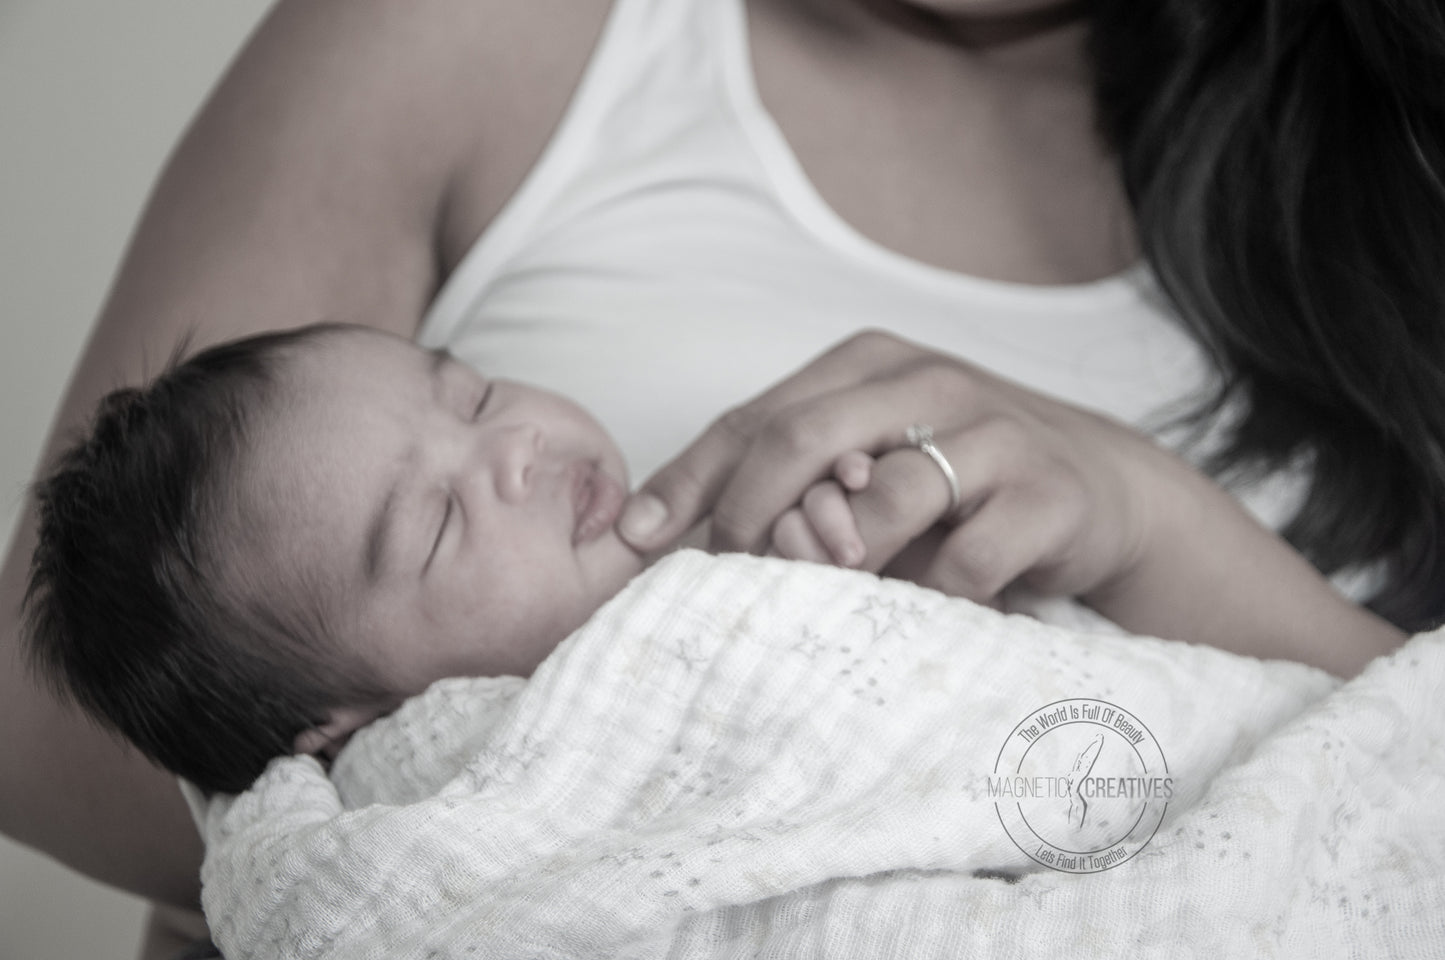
680 492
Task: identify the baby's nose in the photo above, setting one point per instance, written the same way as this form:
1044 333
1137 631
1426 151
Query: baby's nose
515 457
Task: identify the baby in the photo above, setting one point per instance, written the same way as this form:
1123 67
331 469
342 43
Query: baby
284 537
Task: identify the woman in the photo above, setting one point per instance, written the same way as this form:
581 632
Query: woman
934 168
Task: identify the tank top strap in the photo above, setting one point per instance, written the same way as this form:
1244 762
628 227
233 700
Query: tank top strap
650 60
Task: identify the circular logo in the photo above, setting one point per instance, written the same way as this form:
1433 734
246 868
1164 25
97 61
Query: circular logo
1080 785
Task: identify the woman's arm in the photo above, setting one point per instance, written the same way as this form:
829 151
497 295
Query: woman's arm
350 154
1053 496
1210 573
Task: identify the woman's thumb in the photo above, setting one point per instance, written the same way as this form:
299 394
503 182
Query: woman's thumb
678 495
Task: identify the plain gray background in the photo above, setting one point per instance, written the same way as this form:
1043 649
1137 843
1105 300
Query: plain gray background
92 97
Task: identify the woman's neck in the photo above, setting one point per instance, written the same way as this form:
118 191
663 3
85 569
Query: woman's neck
1047 45
982 160
981 32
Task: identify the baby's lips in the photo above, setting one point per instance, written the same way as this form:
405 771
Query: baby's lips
598 498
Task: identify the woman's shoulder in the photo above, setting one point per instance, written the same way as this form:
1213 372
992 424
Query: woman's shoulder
348 150
442 105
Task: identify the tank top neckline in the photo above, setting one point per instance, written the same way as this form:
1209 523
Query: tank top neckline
801 200
606 74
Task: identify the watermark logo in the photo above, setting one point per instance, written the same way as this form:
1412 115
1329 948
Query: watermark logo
1080 785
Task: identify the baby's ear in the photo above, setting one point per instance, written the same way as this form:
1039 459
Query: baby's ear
328 739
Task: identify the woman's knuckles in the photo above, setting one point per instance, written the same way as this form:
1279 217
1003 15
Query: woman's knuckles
1009 443
807 433
873 347
738 526
738 427
946 388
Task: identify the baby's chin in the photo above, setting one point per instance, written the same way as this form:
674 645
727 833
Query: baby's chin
609 563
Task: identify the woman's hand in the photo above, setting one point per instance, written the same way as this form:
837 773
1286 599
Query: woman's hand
1058 498
1048 492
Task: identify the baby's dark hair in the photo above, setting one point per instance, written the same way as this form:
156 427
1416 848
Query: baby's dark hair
130 611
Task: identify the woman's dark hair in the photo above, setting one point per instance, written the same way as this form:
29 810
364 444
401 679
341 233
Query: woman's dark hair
1285 160
128 610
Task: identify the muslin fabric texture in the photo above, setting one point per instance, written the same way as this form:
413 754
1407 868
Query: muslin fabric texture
748 757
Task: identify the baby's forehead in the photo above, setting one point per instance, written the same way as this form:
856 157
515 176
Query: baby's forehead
335 352
336 424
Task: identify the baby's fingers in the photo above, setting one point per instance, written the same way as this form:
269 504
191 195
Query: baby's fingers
853 470
830 517
905 496
821 529
794 539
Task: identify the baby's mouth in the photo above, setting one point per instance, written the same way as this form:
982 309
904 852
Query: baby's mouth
597 500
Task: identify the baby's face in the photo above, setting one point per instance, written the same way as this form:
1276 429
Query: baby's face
450 524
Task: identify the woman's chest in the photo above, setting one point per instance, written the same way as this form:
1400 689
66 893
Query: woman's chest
671 255
945 164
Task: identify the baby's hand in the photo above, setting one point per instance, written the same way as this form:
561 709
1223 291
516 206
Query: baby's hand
821 528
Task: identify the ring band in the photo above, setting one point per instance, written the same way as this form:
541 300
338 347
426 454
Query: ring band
920 435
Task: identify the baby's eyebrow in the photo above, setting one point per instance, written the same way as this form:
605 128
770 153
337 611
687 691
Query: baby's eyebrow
379 530
378 534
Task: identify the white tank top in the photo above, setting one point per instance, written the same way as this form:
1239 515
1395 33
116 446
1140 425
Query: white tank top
667 258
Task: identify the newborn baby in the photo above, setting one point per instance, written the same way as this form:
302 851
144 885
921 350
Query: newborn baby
286 536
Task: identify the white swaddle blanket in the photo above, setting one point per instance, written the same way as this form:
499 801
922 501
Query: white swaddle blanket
743 757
